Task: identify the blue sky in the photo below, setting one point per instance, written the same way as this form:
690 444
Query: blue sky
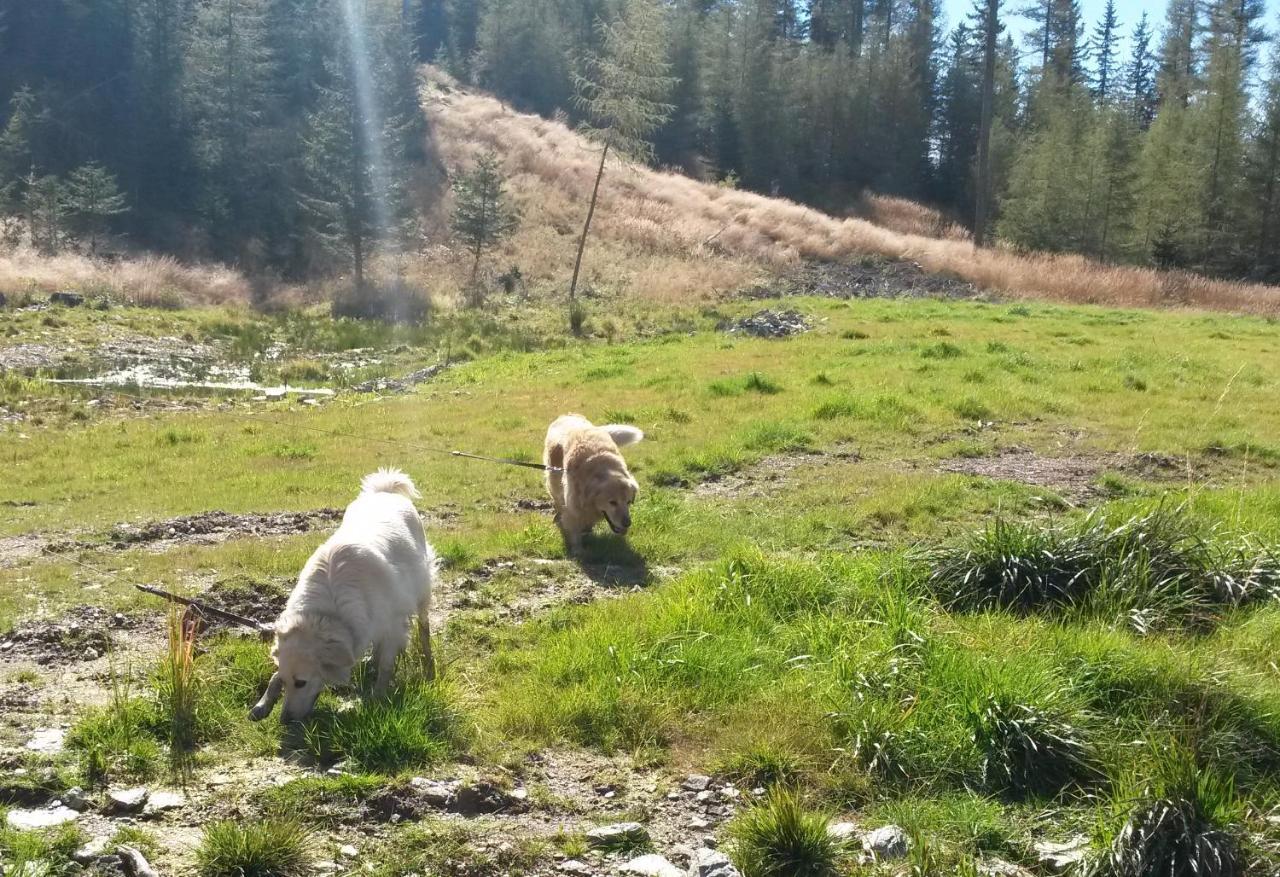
1128 12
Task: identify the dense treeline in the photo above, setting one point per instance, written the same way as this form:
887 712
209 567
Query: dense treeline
1155 154
279 134
236 127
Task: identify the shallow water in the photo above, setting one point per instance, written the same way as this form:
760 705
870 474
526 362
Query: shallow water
151 376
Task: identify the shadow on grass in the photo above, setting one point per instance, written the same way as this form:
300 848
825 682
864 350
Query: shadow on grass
611 562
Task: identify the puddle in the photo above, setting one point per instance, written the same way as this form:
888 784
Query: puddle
155 376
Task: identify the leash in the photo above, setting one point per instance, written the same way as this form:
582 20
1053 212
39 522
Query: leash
331 433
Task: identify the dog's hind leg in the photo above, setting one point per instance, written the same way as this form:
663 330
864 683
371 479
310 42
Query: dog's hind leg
424 639
263 707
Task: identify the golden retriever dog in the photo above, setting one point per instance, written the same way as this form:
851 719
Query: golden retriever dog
358 591
593 482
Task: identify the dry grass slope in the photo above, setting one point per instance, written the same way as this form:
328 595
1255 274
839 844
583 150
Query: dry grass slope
148 281
677 238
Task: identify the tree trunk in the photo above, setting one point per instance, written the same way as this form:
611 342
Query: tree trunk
983 206
591 210
357 254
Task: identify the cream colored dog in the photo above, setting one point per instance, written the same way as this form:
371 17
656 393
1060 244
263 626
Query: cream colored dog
358 591
594 482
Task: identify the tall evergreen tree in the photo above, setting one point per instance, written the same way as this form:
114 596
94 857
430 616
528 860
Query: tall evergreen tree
1103 49
91 198
482 214
1139 75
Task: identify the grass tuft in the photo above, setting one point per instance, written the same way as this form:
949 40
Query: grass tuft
781 837
1027 750
263 848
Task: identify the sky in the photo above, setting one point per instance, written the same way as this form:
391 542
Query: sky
1128 11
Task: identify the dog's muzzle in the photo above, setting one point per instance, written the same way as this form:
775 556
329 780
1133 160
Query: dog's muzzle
620 530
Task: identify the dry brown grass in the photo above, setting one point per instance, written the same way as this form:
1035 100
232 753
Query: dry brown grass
909 217
668 237
148 281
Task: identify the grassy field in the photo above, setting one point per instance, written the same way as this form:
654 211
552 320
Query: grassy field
996 573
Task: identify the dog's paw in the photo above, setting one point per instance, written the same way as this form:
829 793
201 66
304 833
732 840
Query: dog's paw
259 712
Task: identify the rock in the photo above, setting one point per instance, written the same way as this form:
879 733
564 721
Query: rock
126 800
711 863
347 851
1001 868
30 820
617 834
704 796
519 796
651 865
134 864
75 799
771 324
887 843
66 298
697 823
573 866
434 792
47 741
1060 858
695 783
842 831
274 394
91 851
160 802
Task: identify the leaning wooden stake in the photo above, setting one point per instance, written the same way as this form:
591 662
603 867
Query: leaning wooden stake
266 631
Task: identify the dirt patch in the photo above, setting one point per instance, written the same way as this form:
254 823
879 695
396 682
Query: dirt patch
1075 477
866 278
86 633
770 475
16 549
217 526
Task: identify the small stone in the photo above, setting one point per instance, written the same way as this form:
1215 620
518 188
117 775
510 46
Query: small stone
347 851
1001 868
217 779
160 802
698 823
573 866
75 799
126 800
91 851
29 820
842 831
711 863
651 865
48 741
759 791
887 843
704 796
134 864
520 795
1060 858
673 796
618 833
695 783
274 394
729 793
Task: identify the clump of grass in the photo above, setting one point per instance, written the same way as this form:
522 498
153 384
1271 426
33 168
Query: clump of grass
1185 823
1028 750
1162 561
758 383
416 725
39 853
942 350
114 740
781 837
177 687
262 848
764 764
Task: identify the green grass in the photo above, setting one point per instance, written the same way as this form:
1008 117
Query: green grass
262 848
40 852
780 837
866 632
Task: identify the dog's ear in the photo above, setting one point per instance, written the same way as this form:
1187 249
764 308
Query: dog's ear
336 658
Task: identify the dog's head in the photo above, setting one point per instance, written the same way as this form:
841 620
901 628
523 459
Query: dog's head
613 493
308 657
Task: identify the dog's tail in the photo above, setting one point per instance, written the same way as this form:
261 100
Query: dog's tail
622 434
389 481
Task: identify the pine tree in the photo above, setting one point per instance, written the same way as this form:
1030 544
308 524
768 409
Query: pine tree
1176 76
991 28
228 70
522 53
1103 51
357 150
1139 75
482 214
92 198
622 95
16 156
1263 177
44 204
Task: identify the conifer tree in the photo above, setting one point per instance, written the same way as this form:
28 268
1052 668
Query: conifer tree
1102 48
482 214
92 198
1139 75
622 94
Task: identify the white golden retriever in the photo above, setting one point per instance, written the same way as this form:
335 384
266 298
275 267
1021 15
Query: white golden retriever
358 591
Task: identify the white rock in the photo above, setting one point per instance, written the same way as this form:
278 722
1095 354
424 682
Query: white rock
92 850
28 820
75 799
887 843
126 800
704 796
698 823
651 865
47 740
573 866
274 393
621 832
347 851
842 831
1063 857
711 863
695 782
159 802
1001 868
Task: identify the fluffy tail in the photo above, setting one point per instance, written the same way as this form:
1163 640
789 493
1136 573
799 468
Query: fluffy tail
622 434
389 481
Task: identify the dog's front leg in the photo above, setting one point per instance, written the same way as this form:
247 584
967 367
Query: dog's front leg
385 657
263 707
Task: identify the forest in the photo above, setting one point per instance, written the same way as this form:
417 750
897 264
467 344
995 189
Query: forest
239 129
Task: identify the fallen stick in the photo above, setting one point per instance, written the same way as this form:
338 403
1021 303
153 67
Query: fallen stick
266 631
